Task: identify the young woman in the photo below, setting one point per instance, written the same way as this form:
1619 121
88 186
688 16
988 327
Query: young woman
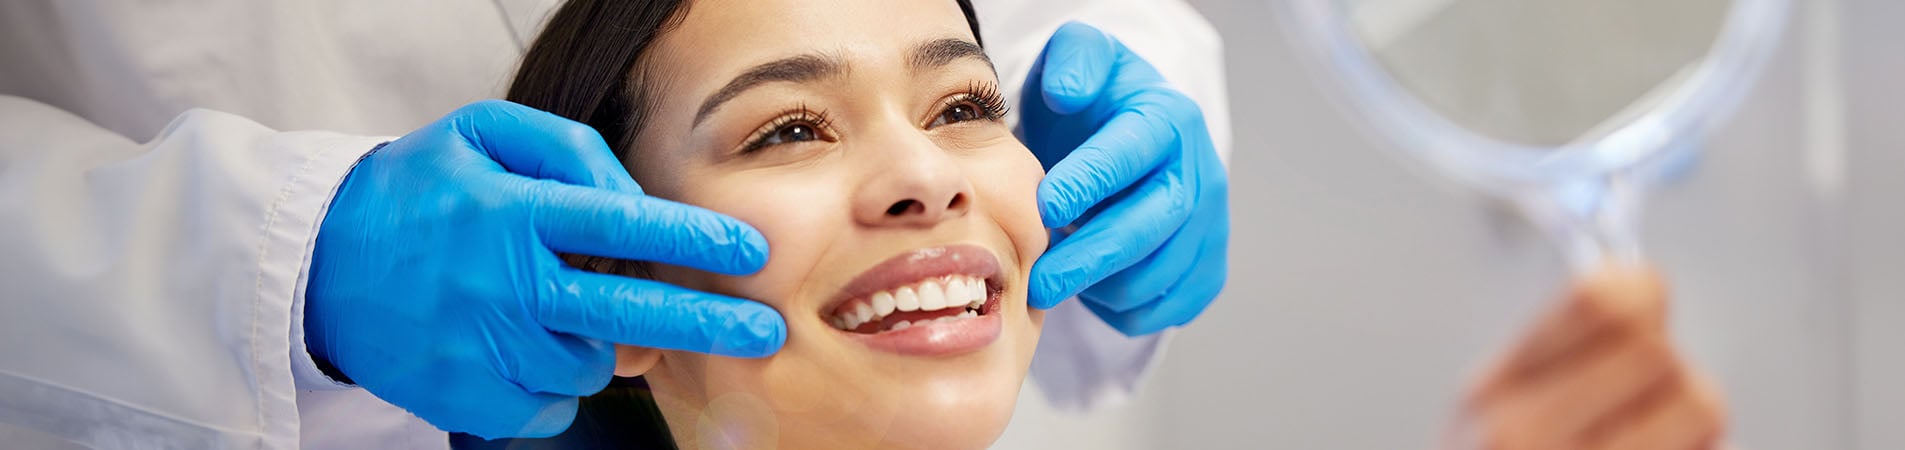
866 141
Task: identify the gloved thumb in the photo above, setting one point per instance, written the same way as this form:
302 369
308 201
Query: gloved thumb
1078 62
537 144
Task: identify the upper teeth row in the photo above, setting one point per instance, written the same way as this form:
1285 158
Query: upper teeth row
928 295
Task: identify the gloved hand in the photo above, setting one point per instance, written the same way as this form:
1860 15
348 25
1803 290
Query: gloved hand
1133 186
436 286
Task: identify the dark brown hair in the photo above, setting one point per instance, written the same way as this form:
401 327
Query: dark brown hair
587 66
584 64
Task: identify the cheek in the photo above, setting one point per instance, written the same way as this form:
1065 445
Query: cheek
790 210
1007 180
800 217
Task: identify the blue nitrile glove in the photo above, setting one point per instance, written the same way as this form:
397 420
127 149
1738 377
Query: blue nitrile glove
1133 186
436 286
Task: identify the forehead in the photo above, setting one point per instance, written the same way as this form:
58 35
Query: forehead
719 39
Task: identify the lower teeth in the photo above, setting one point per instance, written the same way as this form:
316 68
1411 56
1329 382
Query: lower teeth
904 324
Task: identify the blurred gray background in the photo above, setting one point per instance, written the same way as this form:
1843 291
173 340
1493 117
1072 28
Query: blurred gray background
1365 291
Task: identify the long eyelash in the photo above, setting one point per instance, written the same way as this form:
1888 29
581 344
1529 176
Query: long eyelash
987 96
819 120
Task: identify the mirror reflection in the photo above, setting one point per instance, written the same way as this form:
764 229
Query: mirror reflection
1543 72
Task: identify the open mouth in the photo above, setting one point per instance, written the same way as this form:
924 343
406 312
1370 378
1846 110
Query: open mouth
935 300
929 286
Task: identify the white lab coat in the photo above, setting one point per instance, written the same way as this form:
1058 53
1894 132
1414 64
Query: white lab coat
151 294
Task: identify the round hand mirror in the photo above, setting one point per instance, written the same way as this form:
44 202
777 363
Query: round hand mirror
1564 108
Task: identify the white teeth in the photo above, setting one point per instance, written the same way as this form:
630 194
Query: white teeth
882 303
905 299
956 292
976 293
862 312
932 297
964 292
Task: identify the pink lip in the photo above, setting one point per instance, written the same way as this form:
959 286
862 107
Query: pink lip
932 339
939 339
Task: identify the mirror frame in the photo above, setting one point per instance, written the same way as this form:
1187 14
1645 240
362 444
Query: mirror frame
1583 194
1705 97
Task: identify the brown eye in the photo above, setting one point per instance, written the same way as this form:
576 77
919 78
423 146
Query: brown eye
792 127
791 133
978 102
961 112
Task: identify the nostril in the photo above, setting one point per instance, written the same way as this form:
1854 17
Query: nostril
903 206
958 201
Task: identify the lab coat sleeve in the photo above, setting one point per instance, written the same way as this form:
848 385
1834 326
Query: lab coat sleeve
1082 363
149 291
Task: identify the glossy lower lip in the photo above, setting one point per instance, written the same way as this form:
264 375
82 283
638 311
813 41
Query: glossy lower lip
938 339
935 339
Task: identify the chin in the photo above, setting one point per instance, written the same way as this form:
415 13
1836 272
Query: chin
949 402
867 399
972 418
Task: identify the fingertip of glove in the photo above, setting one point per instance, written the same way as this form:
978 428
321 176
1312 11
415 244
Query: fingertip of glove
486 105
754 249
1043 292
760 333
1079 59
1039 299
1063 92
1083 38
1052 208
745 245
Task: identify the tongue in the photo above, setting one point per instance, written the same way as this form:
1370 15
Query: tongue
911 316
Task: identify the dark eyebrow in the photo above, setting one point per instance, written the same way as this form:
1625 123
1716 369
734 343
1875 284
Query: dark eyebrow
794 69
808 67
940 52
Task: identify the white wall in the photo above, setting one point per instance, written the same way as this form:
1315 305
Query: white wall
1872 64
1364 291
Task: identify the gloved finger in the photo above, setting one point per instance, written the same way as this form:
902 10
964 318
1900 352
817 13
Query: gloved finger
1150 279
1203 240
536 144
1119 236
588 221
1183 303
1133 144
659 315
495 408
565 364
1075 67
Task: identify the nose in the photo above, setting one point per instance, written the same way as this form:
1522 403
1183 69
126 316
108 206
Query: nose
911 183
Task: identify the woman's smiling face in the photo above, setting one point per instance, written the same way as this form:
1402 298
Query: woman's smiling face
863 139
